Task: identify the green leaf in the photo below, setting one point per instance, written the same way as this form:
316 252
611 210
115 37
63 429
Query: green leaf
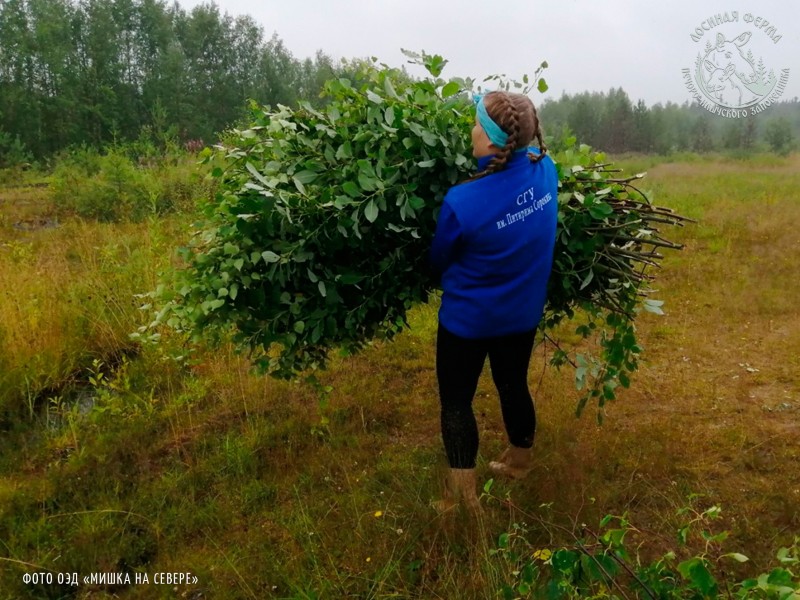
366 182
371 211
351 189
749 584
373 97
587 280
542 85
720 537
653 306
736 556
254 172
322 289
564 560
340 203
416 202
388 115
270 256
600 210
683 534
366 167
350 278
624 380
450 89
344 151
426 164
695 571
429 138
780 577
305 176
786 558
434 64
389 88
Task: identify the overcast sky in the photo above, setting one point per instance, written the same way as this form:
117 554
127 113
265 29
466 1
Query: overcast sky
589 44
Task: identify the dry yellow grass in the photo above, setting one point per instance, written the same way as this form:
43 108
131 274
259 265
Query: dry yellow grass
241 484
67 293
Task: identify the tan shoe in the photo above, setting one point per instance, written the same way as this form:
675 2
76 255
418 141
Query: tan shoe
514 462
459 487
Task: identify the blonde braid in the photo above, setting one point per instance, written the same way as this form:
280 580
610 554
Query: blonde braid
508 119
517 116
537 135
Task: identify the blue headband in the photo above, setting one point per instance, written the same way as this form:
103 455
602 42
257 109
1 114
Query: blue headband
496 135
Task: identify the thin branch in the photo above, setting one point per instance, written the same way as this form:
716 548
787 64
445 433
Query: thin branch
625 566
557 345
653 242
614 227
625 180
637 256
650 218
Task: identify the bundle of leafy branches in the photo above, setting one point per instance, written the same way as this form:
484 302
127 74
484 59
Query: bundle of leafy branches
318 236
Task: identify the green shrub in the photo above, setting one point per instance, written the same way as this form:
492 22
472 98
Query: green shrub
319 234
13 152
180 187
110 187
101 187
606 563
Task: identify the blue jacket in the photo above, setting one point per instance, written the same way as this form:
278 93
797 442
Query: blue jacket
493 248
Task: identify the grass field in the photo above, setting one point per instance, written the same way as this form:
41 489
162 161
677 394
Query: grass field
259 491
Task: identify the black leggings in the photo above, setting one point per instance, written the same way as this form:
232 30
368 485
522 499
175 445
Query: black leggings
459 362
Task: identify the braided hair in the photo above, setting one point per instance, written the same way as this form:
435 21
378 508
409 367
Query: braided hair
517 116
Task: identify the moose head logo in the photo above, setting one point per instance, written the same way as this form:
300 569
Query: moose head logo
730 77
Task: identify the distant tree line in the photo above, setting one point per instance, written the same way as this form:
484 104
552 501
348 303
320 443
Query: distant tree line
612 122
90 71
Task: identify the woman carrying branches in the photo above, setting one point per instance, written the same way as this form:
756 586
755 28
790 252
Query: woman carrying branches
493 249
